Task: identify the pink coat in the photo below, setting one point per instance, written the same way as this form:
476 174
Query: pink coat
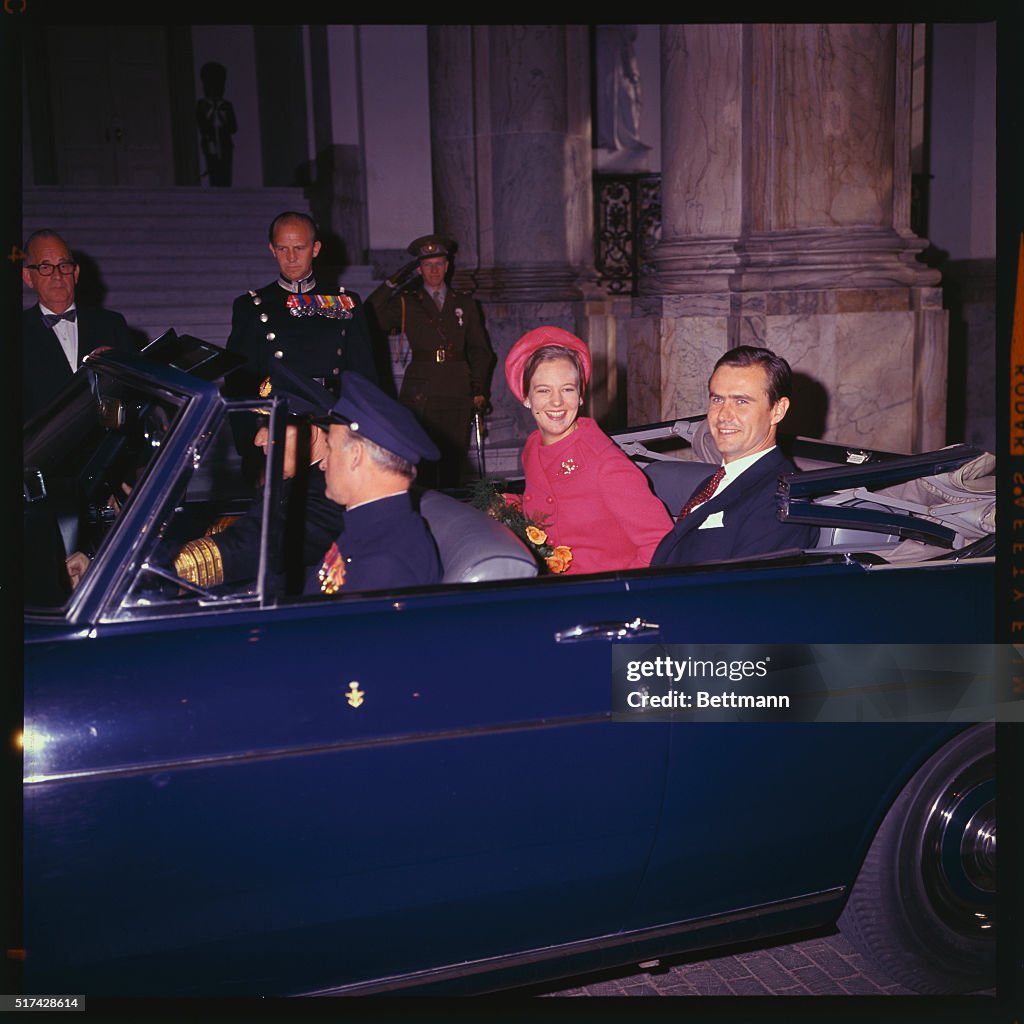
589 496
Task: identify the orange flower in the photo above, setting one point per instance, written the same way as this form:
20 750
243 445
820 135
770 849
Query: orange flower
560 559
536 535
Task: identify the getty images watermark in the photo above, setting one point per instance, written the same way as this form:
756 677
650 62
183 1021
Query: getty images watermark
817 682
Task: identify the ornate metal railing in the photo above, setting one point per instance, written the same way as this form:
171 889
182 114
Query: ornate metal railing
627 225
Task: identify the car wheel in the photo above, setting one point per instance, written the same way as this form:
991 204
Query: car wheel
923 906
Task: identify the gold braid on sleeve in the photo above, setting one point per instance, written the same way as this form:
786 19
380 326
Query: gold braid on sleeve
199 562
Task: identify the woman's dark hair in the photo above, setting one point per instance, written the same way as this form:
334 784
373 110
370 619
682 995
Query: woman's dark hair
546 355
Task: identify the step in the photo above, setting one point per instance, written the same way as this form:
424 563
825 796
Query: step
119 200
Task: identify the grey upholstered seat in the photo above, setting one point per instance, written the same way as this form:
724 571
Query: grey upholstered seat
675 480
473 547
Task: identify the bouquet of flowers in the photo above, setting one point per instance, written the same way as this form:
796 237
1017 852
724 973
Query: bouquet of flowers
507 508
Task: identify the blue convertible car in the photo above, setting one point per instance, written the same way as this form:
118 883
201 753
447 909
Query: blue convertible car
228 791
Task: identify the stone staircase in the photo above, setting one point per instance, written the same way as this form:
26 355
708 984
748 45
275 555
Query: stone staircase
178 257
174 257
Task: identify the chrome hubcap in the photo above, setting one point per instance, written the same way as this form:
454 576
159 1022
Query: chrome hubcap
958 862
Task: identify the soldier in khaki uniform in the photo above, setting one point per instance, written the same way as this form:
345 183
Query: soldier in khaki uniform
448 376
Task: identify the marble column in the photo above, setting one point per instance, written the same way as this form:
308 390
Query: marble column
511 163
786 187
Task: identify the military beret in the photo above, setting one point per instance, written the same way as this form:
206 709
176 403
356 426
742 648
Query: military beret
541 337
431 245
379 418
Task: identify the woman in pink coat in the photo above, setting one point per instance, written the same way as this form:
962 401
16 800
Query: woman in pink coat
580 487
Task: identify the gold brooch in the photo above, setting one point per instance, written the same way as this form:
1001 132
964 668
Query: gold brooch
569 466
355 695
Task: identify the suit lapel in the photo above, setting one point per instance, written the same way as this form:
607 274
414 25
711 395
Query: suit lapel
50 352
87 339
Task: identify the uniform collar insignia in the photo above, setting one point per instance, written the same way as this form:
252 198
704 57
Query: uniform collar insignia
307 284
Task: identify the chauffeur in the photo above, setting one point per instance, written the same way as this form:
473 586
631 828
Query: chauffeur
451 357
373 446
291 320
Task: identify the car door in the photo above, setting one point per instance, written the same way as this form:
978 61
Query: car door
289 799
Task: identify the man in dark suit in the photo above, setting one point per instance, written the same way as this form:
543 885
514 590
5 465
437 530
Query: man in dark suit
56 334
732 514
451 359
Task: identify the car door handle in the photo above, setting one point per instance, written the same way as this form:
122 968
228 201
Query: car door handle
607 631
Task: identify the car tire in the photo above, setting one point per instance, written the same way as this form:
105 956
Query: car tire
923 904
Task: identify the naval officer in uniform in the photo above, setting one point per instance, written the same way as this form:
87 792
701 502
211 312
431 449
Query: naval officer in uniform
373 447
315 332
451 359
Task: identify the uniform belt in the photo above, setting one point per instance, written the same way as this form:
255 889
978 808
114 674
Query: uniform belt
442 354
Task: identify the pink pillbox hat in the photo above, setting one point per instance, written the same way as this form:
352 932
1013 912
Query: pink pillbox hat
539 337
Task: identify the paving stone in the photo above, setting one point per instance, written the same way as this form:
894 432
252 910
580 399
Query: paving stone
748 987
790 957
768 971
706 981
834 965
816 981
639 988
858 985
823 965
730 967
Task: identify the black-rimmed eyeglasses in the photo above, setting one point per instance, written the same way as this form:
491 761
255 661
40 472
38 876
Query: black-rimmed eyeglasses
46 269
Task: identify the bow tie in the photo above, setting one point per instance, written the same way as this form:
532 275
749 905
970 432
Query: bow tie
52 319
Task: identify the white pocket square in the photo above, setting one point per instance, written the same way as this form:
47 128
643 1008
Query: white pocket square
713 521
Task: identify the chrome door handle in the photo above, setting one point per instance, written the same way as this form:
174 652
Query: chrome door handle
608 631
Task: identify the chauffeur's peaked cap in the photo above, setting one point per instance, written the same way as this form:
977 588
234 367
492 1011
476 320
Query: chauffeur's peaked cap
378 417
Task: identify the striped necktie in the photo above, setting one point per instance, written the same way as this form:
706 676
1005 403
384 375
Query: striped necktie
438 299
703 494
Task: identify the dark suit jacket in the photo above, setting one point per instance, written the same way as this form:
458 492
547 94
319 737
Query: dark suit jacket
749 523
386 543
44 369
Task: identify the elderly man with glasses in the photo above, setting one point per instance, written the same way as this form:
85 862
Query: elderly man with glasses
56 334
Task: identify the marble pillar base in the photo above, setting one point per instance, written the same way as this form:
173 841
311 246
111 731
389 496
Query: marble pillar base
823 258
869 364
544 282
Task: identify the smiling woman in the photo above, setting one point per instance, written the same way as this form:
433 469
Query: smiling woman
580 487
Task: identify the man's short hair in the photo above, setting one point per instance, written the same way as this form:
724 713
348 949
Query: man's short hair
382 457
42 233
292 217
780 376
